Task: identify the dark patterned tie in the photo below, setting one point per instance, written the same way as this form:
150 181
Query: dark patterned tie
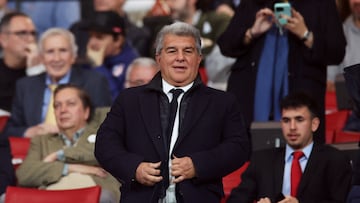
172 114
296 172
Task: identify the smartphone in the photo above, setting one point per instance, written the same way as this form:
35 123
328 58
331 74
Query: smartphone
281 9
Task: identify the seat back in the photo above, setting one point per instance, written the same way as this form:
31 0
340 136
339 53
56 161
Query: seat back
3 121
31 195
19 147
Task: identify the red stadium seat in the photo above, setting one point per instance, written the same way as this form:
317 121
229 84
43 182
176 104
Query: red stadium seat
3 121
19 147
232 180
32 195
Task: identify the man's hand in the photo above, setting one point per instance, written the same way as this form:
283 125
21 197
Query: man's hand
96 56
264 200
182 168
40 129
263 22
289 199
148 173
85 169
296 24
32 55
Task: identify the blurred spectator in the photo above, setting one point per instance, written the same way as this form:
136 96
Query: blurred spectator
66 160
7 175
49 14
274 60
137 38
227 6
33 94
140 72
3 8
343 9
108 49
18 41
351 28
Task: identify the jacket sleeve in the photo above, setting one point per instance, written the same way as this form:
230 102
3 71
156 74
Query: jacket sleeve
33 172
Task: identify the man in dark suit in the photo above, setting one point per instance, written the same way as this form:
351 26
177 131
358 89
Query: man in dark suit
33 94
159 162
326 171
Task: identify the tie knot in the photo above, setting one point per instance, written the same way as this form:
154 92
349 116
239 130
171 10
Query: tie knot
176 92
298 154
52 87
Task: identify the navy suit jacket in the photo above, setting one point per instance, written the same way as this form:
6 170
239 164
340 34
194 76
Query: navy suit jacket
326 178
212 134
27 106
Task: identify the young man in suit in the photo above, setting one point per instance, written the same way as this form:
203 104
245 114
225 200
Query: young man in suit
66 160
33 94
326 172
157 161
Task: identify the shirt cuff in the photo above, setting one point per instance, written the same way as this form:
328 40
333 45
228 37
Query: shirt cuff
65 170
60 155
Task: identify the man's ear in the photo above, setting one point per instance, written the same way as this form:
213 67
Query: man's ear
315 122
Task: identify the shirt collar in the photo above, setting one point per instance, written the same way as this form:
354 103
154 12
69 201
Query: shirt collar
167 87
307 151
75 138
63 80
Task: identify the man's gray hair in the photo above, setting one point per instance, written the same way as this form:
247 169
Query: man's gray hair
178 29
145 62
58 31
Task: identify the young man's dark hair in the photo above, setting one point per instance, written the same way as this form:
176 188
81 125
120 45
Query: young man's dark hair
300 99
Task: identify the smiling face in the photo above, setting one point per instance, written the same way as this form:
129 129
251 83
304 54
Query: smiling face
69 111
57 56
178 60
298 126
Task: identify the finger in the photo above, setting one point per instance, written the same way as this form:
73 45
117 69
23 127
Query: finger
155 165
178 179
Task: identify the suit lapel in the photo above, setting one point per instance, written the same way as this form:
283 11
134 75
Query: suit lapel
195 109
279 169
36 100
311 167
149 107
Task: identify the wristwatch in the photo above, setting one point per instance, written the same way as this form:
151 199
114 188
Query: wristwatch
306 36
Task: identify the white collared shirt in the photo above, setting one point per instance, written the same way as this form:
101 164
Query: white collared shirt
170 192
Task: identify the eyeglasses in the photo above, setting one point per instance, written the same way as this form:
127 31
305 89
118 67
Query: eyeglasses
23 33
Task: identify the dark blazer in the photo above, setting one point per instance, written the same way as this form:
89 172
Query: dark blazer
7 174
307 67
326 178
212 134
27 106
